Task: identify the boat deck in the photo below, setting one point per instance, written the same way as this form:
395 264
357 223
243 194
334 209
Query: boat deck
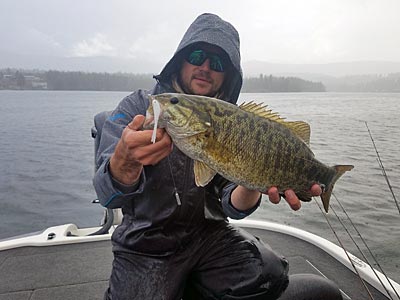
81 271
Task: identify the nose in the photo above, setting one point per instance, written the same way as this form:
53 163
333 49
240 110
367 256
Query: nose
206 65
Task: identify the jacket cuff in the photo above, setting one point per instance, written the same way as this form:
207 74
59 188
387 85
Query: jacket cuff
111 193
125 188
233 212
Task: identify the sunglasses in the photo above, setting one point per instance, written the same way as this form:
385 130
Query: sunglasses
198 57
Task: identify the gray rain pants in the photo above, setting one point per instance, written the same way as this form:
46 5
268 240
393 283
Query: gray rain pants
219 262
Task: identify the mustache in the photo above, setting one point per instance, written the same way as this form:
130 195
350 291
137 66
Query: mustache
203 75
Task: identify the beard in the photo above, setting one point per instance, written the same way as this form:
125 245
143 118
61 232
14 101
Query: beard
200 81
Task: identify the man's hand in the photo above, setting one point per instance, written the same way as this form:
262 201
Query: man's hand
290 196
135 150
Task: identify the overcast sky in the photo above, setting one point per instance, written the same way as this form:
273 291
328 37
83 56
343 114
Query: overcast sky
278 31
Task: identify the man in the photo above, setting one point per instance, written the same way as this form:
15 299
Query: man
174 241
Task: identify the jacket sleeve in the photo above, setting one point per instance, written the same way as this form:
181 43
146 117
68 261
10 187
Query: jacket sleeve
111 193
226 187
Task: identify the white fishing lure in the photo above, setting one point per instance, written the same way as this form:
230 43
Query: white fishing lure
156 113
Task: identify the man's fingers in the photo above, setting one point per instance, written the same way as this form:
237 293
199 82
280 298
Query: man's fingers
158 156
316 190
142 150
135 137
273 195
292 199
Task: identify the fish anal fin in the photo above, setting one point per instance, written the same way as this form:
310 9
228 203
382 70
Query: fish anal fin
299 128
203 174
304 196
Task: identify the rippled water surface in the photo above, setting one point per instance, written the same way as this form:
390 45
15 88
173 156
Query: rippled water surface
46 159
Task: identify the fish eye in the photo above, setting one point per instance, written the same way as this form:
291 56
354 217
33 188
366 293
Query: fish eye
174 100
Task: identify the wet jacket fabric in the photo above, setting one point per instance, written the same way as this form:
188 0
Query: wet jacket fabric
153 215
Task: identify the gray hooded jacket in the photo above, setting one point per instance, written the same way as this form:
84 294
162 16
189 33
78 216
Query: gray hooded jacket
153 216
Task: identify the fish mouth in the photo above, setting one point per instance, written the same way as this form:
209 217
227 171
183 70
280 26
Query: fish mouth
148 121
158 115
153 114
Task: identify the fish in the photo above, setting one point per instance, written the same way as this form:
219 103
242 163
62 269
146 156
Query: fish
249 144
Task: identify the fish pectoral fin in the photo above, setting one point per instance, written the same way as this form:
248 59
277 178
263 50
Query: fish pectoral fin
203 174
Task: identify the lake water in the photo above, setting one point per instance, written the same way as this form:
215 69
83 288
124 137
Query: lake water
46 159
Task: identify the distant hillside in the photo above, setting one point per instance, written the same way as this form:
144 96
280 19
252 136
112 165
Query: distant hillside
136 66
381 77
357 83
337 77
254 68
273 84
364 83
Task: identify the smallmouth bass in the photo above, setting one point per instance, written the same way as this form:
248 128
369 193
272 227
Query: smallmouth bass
246 144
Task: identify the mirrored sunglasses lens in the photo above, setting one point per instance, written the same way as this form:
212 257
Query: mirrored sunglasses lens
197 57
216 64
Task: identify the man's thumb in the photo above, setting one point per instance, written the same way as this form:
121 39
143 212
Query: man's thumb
137 123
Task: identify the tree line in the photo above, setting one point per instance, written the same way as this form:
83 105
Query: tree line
65 80
272 84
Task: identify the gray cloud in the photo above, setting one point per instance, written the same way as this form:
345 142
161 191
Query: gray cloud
286 31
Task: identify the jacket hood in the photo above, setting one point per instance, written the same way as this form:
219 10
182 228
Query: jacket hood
211 29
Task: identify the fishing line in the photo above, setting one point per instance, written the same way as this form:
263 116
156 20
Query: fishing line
361 252
383 168
177 198
345 251
366 246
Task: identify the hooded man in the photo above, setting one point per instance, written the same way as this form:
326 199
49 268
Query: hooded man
174 240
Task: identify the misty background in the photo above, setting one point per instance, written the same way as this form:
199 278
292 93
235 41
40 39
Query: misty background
333 42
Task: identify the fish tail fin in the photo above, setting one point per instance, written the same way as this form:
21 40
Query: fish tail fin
326 195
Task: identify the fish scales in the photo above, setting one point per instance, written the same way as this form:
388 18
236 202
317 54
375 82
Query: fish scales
246 146
255 145
241 140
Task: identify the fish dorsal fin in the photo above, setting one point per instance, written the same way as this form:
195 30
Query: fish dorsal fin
203 174
299 128
261 111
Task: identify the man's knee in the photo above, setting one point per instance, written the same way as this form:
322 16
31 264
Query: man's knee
273 277
275 270
311 286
